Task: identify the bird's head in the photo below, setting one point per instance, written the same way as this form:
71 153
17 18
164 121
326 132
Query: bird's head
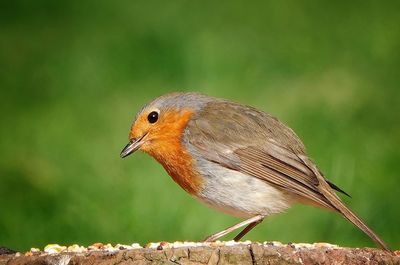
159 126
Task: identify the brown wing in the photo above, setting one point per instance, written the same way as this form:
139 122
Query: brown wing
257 144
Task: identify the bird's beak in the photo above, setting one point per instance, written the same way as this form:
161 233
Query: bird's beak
132 146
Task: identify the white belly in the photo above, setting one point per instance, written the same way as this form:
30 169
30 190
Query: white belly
238 194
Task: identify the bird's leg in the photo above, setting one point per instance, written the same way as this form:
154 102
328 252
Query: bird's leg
247 229
255 219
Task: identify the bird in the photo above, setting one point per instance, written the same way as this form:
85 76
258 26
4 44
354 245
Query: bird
234 158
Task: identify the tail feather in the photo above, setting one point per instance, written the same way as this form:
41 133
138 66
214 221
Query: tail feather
327 191
352 217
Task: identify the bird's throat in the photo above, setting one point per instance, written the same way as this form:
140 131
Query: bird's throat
169 151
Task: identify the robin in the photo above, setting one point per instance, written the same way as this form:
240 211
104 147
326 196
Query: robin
235 158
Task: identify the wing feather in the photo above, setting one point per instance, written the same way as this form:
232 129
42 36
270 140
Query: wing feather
276 173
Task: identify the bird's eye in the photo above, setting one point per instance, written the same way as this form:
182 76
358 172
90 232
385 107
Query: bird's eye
153 117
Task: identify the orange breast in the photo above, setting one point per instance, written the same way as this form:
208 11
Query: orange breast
168 150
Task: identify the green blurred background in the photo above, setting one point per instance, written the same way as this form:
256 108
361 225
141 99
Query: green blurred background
74 73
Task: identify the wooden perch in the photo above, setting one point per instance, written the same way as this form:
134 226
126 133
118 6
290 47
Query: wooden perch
214 253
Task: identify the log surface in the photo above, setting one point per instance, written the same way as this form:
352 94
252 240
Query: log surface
251 253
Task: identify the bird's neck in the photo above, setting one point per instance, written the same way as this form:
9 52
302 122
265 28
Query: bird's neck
180 166
174 157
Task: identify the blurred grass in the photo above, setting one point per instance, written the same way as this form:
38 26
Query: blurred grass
73 74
